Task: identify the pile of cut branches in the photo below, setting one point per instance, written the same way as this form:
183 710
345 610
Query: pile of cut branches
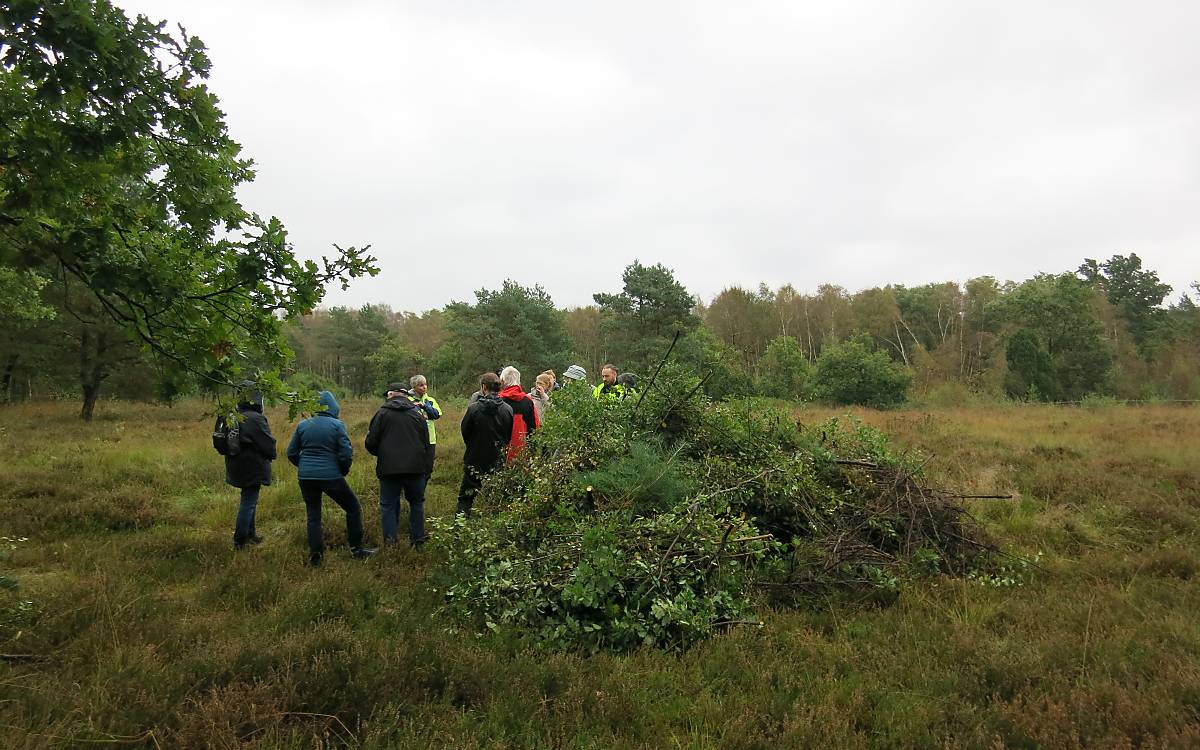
655 521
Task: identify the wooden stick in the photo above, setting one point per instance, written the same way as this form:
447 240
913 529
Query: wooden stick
660 366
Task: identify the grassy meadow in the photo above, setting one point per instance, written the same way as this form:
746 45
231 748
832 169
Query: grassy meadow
133 623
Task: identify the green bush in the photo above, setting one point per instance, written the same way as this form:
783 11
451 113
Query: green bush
853 372
622 525
784 371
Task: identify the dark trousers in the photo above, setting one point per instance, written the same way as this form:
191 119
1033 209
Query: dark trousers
430 454
471 482
243 528
391 488
340 492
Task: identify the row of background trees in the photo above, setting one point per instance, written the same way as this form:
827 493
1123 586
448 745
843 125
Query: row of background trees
128 266
1105 329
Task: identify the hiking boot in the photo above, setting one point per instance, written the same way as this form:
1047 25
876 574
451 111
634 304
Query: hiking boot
314 559
416 543
362 553
256 539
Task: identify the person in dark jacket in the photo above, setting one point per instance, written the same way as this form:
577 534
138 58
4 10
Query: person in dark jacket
628 383
399 438
486 430
250 468
321 451
525 418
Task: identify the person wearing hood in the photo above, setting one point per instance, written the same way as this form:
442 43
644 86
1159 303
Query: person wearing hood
250 468
525 418
399 438
320 448
486 429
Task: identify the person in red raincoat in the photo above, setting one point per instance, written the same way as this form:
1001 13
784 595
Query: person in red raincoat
525 418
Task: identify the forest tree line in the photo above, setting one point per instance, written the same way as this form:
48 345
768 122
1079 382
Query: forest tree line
128 267
1107 328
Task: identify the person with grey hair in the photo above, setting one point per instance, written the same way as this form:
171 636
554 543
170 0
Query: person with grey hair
418 393
525 418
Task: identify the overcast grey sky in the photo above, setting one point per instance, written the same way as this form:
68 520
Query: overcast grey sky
858 143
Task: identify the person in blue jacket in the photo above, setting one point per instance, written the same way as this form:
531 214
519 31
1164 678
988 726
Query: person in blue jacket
321 451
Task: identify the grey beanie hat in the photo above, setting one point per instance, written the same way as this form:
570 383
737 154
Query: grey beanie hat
575 372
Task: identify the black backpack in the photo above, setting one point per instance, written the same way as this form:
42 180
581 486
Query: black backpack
227 436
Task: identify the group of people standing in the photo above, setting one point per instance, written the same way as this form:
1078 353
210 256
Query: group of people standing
403 438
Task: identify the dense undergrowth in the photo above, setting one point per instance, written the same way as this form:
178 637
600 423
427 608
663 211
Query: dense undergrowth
134 624
660 520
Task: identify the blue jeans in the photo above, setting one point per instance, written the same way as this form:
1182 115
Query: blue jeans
243 527
340 492
391 488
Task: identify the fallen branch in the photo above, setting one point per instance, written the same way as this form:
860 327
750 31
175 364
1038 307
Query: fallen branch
24 657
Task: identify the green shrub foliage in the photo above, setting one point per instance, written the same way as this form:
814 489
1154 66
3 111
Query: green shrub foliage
854 372
626 524
784 370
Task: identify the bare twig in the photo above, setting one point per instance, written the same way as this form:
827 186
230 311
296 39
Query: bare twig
666 356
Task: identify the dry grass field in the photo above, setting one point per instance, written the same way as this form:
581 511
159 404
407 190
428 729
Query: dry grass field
127 620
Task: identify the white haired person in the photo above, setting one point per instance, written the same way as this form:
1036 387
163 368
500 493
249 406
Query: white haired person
418 393
525 418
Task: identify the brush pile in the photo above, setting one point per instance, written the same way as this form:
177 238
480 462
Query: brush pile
660 523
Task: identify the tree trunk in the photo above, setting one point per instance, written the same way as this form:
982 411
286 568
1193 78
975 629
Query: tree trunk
92 370
812 354
10 368
91 393
899 343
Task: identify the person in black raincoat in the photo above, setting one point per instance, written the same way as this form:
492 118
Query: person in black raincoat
486 431
250 469
398 437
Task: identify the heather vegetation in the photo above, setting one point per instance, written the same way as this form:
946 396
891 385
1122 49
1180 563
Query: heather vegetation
126 618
